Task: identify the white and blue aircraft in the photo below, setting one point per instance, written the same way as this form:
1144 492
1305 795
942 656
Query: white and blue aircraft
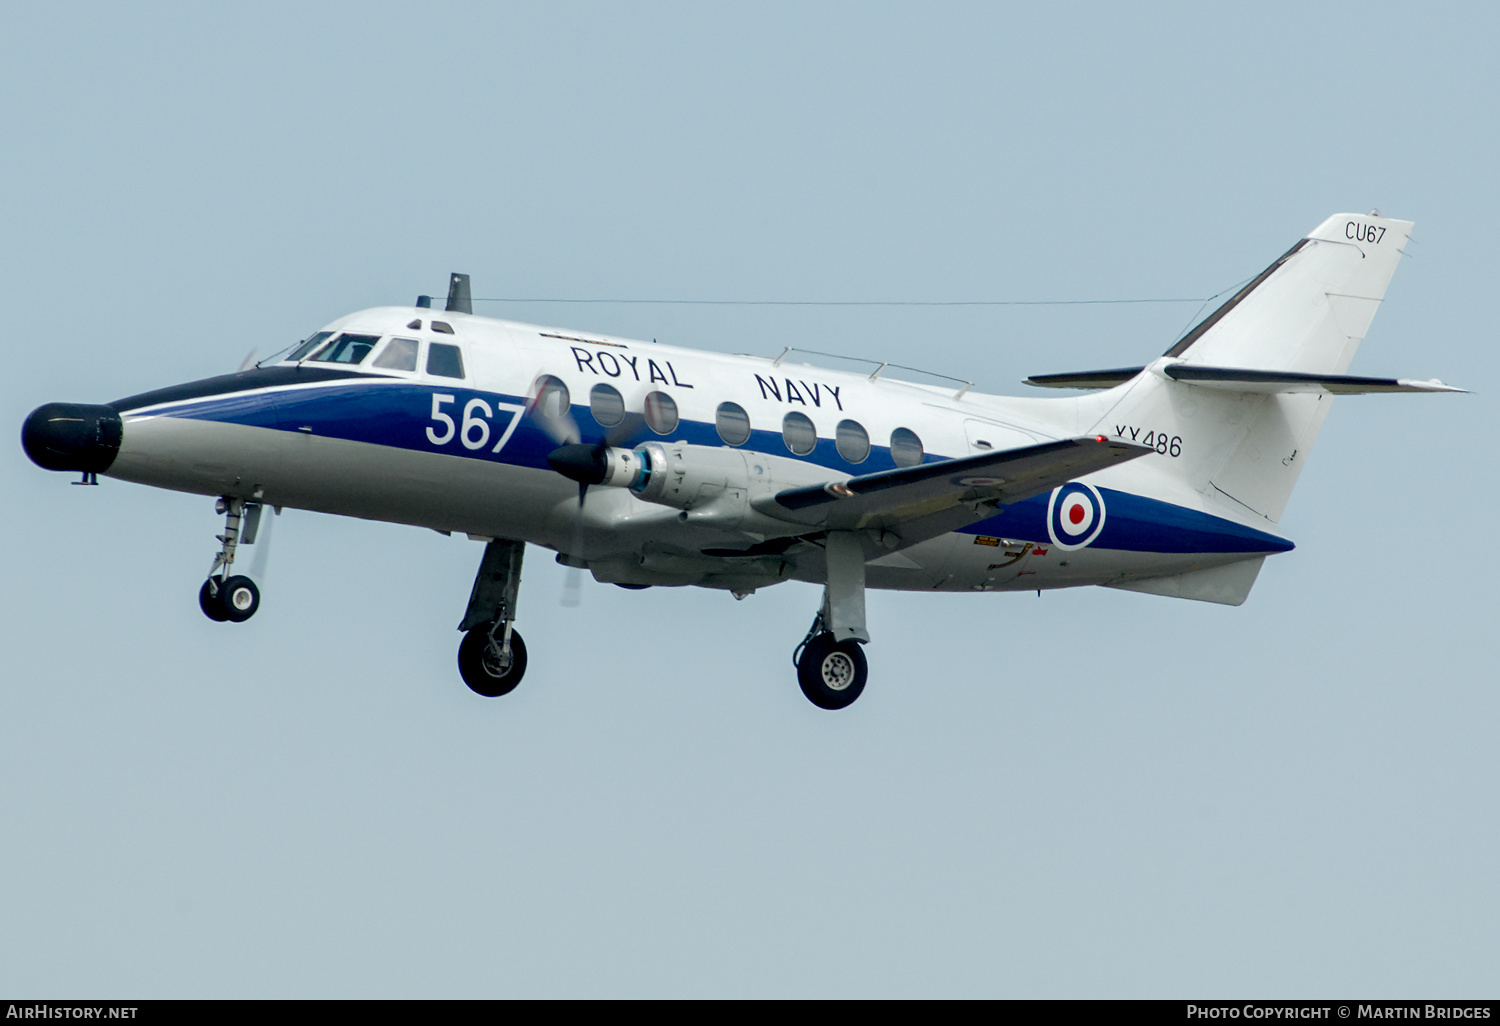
653 465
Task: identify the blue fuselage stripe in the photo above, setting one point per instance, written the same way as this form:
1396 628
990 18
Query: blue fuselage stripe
399 414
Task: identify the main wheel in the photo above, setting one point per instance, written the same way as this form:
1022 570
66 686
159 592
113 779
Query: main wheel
482 666
208 601
240 598
832 673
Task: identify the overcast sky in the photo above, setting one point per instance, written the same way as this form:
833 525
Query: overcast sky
1091 793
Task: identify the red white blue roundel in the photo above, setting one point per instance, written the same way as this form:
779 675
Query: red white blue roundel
1075 515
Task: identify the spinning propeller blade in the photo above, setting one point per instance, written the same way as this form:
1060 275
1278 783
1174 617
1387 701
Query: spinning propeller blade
586 464
544 409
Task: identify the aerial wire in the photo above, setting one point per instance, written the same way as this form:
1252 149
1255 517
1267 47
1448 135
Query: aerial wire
845 302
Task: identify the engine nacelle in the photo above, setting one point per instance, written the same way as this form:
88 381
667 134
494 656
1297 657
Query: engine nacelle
623 468
714 486
690 476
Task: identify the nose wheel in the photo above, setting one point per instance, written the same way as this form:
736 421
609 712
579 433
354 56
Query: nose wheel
234 600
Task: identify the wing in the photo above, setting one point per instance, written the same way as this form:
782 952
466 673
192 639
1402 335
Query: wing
923 502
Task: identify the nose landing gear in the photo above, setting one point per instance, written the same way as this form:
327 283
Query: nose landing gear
231 598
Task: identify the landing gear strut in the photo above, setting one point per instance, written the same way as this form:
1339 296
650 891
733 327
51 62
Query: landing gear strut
225 597
492 657
831 665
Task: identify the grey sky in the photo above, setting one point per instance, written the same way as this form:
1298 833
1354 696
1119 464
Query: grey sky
1091 793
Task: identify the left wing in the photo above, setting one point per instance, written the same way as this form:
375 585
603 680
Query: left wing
935 498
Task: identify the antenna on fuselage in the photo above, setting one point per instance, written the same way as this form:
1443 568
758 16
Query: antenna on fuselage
458 294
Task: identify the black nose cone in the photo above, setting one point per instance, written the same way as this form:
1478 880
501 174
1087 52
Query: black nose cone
582 463
72 436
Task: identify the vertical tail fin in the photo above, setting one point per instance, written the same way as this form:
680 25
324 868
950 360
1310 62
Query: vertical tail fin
1309 310
1306 313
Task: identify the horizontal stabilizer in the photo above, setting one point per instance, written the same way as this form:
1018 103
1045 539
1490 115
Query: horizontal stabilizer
935 498
1085 379
1236 379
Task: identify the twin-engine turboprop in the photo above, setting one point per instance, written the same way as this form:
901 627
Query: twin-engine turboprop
653 465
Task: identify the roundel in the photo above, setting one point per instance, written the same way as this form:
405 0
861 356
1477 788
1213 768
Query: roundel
1075 515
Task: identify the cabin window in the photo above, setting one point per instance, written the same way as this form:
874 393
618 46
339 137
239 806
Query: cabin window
398 354
906 448
733 423
347 349
661 413
443 327
850 439
445 361
607 405
798 433
552 398
303 348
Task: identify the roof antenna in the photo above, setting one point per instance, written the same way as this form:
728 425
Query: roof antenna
458 294
424 302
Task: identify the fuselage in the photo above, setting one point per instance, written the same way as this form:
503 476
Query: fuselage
415 416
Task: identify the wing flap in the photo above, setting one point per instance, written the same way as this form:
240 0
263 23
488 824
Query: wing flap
935 498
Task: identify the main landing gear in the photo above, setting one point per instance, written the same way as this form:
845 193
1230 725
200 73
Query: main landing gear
832 673
492 656
224 597
830 661
831 666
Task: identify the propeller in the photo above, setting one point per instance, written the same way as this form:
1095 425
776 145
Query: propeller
588 465
578 461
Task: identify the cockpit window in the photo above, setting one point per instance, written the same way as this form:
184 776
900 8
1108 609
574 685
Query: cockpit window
303 348
398 354
444 360
347 349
